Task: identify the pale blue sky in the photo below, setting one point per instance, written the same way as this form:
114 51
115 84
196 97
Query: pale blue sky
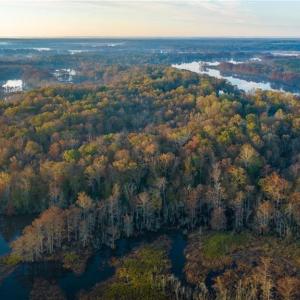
58 18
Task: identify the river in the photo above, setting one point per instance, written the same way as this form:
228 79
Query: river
248 86
17 285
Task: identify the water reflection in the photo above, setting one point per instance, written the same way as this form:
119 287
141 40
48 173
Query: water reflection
243 84
18 284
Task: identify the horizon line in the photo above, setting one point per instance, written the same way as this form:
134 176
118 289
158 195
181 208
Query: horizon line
151 37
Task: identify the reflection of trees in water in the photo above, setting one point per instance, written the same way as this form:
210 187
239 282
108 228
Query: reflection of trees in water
99 269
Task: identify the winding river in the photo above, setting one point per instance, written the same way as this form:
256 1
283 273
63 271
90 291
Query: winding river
248 86
18 284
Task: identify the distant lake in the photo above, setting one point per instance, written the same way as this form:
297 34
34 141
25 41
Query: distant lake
246 85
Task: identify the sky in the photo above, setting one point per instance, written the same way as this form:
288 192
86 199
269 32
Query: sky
143 18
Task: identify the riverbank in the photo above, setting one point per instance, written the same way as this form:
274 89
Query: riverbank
98 267
8 264
247 84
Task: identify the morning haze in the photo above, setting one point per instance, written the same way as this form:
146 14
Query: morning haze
64 18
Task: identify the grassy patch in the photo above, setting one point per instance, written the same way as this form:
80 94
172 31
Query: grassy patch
10 260
135 278
70 258
138 276
219 245
76 261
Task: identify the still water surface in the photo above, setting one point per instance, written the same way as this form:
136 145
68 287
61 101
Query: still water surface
17 286
243 84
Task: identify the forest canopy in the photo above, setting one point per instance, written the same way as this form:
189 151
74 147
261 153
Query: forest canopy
153 147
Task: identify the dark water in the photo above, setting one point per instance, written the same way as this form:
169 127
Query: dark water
10 229
176 254
18 284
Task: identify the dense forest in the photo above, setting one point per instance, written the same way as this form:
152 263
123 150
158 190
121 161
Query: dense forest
156 148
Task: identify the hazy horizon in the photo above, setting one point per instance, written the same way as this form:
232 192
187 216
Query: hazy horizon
149 19
144 37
